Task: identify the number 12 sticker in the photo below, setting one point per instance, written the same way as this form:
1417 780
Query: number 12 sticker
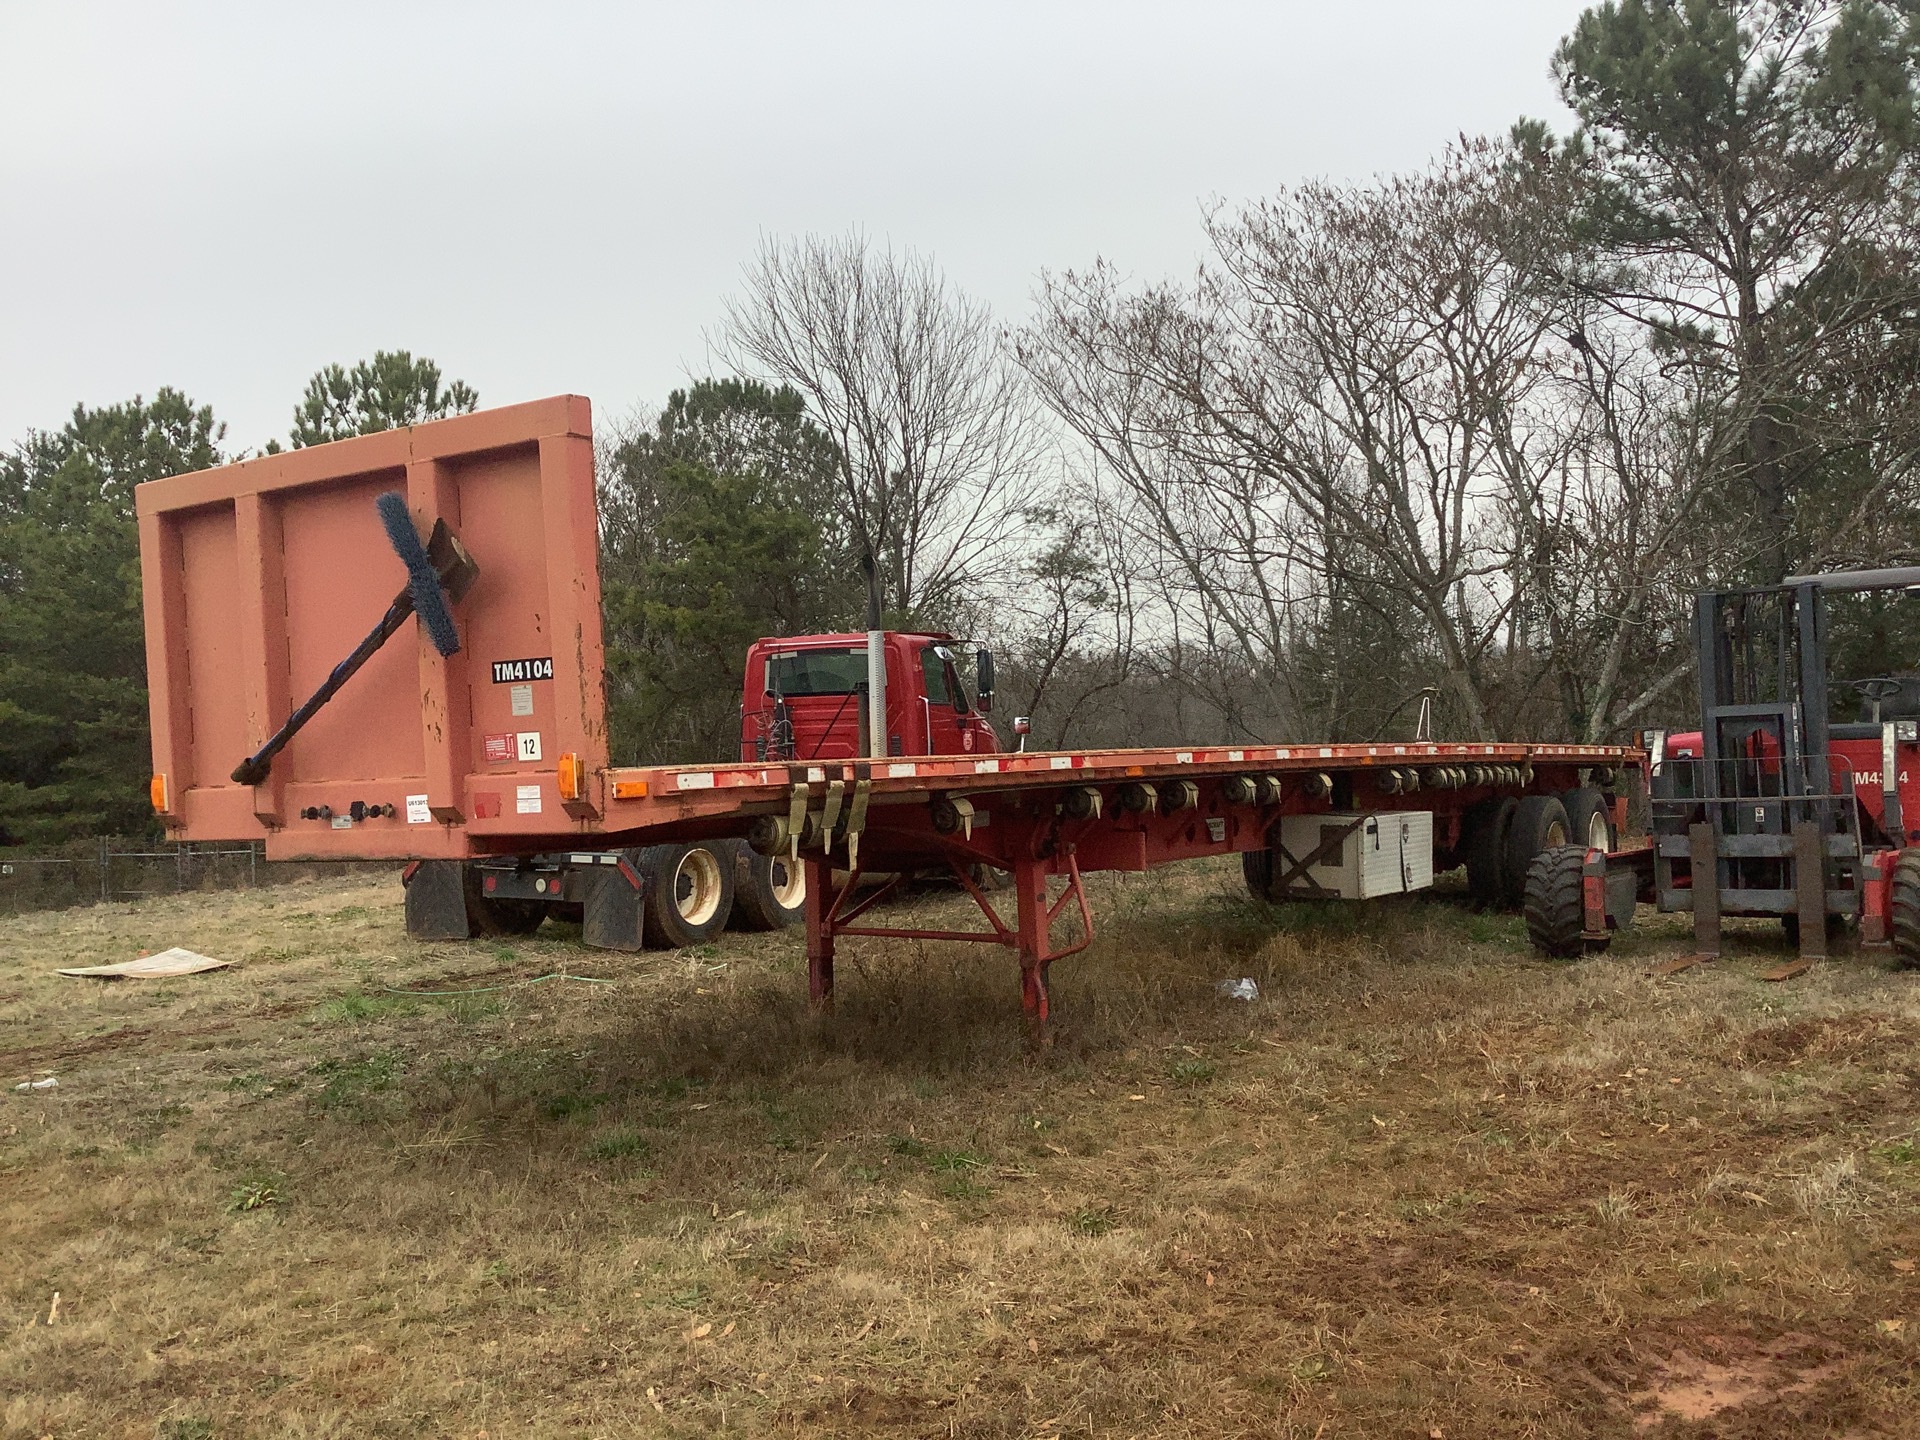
529 745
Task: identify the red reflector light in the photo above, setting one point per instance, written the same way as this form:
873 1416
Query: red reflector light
490 884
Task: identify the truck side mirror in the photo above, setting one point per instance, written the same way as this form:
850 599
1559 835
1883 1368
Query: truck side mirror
983 679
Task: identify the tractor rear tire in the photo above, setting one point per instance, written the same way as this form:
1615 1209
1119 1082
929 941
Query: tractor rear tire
490 917
1539 824
1590 819
1555 905
1483 841
769 891
689 892
1904 904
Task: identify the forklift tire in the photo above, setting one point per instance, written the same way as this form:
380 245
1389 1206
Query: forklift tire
487 916
689 892
1590 820
1483 841
1539 824
1555 903
1903 902
769 891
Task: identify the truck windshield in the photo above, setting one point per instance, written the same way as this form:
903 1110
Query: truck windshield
816 672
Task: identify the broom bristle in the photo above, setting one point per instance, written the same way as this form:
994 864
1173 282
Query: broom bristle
429 601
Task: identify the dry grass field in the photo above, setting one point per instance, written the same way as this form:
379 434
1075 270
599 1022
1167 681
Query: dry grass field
1428 1185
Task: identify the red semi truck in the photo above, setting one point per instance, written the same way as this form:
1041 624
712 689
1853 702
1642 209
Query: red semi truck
472 745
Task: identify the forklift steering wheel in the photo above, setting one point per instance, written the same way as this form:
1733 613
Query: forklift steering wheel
1877 689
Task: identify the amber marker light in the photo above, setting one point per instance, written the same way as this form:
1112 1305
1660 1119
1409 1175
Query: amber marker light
629 789
569 777
157 791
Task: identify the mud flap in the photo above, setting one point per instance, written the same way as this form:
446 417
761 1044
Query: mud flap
437 901
611 907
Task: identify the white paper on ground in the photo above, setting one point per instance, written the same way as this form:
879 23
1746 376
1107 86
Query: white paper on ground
153 967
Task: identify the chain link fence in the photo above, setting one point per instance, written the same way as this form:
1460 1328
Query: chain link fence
115 868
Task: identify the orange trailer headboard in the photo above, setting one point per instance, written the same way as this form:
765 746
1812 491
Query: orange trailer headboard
260 577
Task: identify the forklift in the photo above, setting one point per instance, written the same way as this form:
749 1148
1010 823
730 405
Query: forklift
1772 808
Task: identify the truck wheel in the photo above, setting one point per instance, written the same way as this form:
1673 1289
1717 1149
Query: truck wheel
1904 903
1483 841
1555 904
488 916
989 878
689 893
1539 823
1589 820
769 891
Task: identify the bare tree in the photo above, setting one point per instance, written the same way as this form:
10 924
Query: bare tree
1337 408
939 452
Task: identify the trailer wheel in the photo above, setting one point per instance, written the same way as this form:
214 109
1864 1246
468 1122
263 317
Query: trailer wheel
1590 819
769 891
1483 842
1257 866
689 893
490 916
1904 902
1555 903
1539 823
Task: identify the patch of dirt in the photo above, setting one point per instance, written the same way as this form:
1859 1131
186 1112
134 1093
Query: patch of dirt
1715 1374
1833 1037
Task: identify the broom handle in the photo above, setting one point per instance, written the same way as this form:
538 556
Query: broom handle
254 768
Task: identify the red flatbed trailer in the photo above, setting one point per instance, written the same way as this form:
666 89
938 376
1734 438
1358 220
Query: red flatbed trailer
259 576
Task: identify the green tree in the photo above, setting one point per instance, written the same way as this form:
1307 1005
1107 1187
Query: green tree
717 527
391 390
1748 198
74 753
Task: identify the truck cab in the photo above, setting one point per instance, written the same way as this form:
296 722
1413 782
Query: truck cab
805 698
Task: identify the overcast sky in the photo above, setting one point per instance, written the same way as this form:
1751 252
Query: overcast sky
550 198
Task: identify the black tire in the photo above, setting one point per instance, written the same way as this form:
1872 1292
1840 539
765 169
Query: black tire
1555 904
990 878
1483 831
1257 867
1590 819
689 892
490 917
1904 905
1539 823
769 891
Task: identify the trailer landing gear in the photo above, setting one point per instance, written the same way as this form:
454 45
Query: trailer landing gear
831 913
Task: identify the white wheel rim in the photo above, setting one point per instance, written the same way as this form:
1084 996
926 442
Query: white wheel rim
789 882
1597 830
696 886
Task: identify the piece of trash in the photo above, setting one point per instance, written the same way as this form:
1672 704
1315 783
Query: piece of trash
1242 989
47 1084
166 964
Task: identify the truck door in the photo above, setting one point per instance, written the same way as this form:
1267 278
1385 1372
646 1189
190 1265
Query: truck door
944 701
